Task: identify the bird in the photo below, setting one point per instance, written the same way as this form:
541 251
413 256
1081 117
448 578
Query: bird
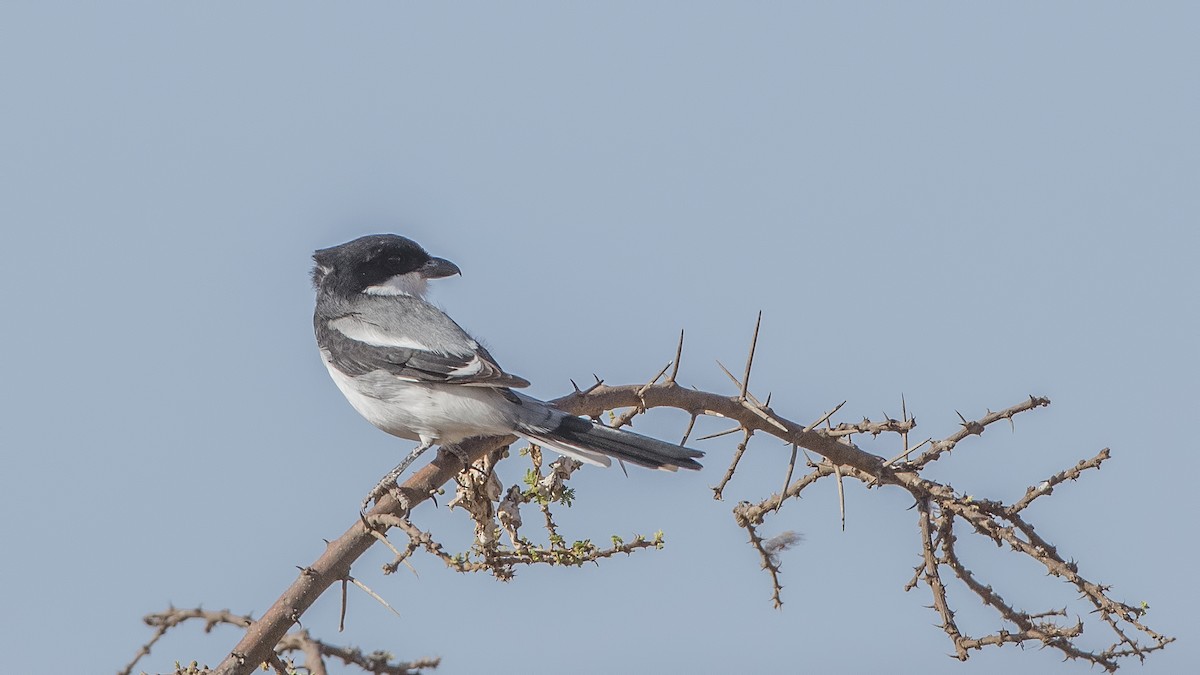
413 372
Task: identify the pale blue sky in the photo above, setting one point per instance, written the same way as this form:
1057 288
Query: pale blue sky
963 203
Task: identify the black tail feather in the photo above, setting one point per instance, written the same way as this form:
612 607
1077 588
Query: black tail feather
578 433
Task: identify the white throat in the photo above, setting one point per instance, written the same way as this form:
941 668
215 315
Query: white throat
411 283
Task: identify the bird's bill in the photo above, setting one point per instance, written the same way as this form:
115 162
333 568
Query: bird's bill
438 268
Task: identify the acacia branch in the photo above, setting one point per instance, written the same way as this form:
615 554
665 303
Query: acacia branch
315 652
938 509
333 565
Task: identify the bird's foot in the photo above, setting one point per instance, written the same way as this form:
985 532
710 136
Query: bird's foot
390 482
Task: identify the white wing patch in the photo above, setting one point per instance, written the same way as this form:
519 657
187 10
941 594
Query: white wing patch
368 333
473 367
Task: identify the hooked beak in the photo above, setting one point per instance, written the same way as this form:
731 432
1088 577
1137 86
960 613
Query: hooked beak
438 268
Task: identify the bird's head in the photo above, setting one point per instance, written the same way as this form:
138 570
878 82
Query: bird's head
378 264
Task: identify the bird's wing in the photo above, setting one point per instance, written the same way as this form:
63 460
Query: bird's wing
410 339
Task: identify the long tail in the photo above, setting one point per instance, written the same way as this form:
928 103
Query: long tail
595 444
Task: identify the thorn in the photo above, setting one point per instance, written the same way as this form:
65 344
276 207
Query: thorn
787 480
720 433
737 383
904 455
825 417
651 383
757 410
599 382
688 432
808 458
678 358
727 373
373 594
750 357
342 614
837 471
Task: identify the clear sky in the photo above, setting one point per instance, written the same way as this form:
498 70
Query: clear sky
963 203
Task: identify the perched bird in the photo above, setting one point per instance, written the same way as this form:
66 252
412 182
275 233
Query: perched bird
413 372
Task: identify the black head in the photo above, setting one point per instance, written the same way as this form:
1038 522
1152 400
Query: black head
382 264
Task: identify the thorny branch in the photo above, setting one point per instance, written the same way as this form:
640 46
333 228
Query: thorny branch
496 513
315 653
479 490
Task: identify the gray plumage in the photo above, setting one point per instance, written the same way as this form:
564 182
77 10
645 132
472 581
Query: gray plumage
413 372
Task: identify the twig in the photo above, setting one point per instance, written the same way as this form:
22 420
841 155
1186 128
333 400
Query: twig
737 457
